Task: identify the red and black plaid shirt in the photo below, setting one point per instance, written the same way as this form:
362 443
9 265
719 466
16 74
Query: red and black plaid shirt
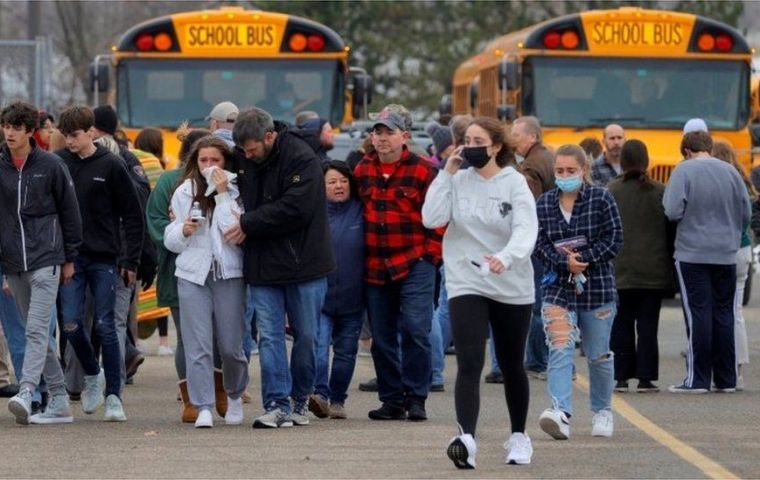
394 235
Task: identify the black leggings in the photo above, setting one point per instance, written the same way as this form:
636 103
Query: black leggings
470 317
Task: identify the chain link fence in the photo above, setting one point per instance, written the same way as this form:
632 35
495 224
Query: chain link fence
25 71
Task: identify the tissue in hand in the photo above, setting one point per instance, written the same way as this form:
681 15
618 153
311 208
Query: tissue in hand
207 174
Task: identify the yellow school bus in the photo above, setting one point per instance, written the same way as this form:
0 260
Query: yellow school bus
177 67
648 70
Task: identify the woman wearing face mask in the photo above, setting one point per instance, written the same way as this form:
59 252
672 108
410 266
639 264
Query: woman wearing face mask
491 232
341 320
580 232
209 279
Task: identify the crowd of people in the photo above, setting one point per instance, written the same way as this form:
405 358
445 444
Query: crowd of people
258 235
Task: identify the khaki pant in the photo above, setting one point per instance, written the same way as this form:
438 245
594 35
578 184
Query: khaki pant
5 365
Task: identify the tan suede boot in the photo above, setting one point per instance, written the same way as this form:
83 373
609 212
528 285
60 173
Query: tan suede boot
189 412
221 394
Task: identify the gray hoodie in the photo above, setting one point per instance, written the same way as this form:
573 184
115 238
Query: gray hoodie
708 199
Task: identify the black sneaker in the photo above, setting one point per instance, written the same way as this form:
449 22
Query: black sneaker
9 391
437 387
388 412
369 385
74 396
645 386
415 411
494 377
622 386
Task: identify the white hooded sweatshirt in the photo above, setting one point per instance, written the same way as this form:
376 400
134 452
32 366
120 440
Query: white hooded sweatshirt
495 216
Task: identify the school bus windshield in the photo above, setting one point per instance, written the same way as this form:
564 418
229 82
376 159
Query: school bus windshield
636 92
164 92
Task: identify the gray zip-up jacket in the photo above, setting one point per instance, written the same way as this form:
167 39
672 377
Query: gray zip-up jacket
40 224
708 199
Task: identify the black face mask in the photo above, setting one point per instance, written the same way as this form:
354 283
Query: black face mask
476 156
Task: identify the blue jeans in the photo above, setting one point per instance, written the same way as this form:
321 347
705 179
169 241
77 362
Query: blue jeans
303 304
249 344
405 307
596 327
537 351
101 278
343 333
440 334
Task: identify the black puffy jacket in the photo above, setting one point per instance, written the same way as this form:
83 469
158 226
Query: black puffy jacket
285 219
40 224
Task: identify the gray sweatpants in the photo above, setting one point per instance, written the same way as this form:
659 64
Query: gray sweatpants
121 320
213 311
35 294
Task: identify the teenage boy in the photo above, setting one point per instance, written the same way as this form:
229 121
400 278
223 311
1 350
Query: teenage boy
106 196
41 234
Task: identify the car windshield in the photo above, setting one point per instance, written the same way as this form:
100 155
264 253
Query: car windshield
164 92
635 92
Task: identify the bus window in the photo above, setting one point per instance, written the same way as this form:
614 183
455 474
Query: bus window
585 92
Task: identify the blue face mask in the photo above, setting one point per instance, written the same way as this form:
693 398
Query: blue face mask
568 184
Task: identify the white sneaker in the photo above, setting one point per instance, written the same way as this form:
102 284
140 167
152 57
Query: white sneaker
21 406
462 450
92 394
57 411
555 423
205 419
165 351
234 414
114 410
519 449
602 424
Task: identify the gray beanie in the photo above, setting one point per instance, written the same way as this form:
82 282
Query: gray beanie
441 136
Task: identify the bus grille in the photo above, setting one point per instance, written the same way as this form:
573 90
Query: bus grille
661 173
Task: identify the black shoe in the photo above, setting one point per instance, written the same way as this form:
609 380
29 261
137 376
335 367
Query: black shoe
621 386
415 411
437 387
388 412
74 396
369 385
133 364
494 377
8 391
646 386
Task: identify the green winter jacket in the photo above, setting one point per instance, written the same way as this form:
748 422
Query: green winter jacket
157 215
645 261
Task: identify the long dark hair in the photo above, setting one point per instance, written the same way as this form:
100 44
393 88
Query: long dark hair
342 168
634 160
193 172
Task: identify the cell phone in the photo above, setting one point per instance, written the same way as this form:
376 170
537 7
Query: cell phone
198 219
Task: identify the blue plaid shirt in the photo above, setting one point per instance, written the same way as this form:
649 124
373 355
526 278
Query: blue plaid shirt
601 171
596 217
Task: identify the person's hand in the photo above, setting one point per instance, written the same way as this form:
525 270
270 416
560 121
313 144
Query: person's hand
574 264
7 288
190 227
67 272
219 178
128 277
495 264
235 234
454 162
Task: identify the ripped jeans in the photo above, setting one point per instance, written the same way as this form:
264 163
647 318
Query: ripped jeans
561 327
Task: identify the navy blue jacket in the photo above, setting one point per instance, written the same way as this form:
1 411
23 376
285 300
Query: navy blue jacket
345 291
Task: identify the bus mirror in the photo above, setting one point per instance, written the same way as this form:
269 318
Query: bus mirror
506 113
99 77
754 130
444 107
508 75
362 88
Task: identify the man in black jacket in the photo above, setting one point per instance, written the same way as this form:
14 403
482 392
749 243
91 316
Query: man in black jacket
287 257
40 235
107 199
